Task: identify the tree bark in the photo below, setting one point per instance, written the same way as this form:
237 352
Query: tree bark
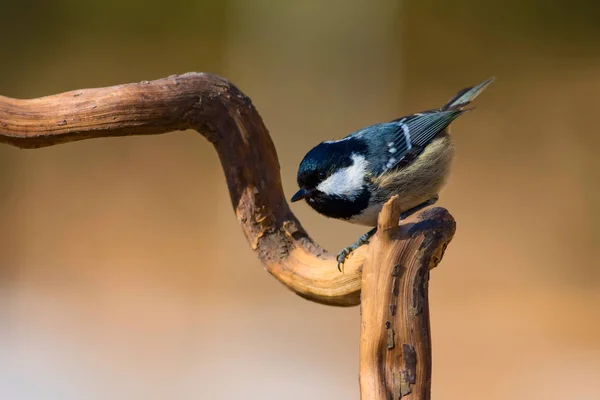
395 340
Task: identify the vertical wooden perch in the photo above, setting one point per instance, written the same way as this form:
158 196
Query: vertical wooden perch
395 340
395 345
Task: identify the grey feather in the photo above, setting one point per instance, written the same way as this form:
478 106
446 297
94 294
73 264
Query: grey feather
467 95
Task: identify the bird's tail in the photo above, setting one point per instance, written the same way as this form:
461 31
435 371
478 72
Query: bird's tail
465 96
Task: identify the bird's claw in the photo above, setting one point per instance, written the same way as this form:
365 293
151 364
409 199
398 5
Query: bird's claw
364 239
341 257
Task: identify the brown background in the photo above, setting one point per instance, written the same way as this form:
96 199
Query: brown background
124 275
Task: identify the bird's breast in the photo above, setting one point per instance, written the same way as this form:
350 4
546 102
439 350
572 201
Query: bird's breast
368 216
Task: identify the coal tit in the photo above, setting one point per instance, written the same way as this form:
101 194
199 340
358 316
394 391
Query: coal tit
351 178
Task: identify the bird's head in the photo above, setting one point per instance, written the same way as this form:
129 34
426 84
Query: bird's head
333 172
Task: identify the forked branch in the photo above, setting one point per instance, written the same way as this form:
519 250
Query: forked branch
395 360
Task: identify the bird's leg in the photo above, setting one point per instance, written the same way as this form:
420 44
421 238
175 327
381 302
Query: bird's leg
419 207
364 239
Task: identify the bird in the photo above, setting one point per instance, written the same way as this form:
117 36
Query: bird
352 178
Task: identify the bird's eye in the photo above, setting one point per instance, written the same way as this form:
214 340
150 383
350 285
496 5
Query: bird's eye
322 175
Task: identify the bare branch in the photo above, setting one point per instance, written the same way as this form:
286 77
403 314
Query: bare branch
395 346
226 117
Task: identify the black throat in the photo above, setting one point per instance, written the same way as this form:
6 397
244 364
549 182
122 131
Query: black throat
337 207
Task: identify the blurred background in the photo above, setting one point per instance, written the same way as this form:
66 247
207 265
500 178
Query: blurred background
124 274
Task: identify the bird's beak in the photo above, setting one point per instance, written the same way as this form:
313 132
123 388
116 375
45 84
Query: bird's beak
300 194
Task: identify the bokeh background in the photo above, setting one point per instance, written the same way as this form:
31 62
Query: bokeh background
124 274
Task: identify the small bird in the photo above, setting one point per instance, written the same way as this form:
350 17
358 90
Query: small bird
352 178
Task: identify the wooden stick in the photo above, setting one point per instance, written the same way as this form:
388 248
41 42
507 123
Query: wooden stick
395 340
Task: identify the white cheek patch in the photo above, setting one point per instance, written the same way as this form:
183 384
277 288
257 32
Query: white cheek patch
347 182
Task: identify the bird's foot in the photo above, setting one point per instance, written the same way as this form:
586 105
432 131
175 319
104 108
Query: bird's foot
364 239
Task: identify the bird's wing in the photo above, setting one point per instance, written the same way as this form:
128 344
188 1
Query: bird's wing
402 140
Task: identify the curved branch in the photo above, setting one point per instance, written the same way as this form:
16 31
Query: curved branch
226 117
